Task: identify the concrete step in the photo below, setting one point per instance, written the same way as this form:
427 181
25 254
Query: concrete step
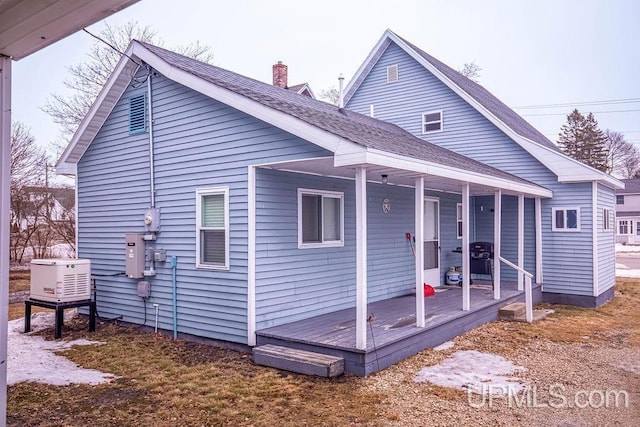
300 361
512 311
517 312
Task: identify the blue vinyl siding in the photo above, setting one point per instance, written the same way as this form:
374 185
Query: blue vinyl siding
199 142
567 257
606 240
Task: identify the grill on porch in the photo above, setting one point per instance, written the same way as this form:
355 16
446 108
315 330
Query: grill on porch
392 331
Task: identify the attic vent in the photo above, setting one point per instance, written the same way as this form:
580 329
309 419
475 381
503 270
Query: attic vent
392 73
137 114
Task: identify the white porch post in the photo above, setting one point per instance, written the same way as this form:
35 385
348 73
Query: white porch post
251 256
466 265
520 241
497 229
419 235
361 258
538 209
5 188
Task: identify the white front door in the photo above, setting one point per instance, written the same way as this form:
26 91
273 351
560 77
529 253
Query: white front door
432 241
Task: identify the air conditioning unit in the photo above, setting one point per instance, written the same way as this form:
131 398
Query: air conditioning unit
60 280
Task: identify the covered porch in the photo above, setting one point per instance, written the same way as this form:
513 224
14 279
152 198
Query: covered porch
392 334
376 332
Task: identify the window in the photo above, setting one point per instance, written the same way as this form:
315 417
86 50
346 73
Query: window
212 228
625 226
392 74
432 122
566 219
137 114
320 218
459 220
619 200
606 219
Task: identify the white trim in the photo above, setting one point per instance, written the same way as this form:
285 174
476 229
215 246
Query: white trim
520 241
459 221
419 250
594 233
76 232
538 220
565 209
207 191
322 194
564 167
361 258
466 275
440 122
381 158
251 255
5 220
497 234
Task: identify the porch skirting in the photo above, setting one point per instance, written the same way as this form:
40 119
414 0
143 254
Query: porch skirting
588 301
334 333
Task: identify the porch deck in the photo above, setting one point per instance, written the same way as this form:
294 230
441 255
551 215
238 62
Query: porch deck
393 327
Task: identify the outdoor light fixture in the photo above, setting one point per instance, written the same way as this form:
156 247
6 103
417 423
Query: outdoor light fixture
384 178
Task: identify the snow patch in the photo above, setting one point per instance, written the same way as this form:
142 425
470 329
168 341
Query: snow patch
627 248
473 370
444 346
623 272
32 358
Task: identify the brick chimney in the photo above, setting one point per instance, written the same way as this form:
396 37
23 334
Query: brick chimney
280 75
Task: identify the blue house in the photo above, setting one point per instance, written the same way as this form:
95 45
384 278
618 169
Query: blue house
251 214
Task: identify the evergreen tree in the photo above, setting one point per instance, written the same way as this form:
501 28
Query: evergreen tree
581 139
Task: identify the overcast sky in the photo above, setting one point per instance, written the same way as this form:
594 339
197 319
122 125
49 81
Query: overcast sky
531 52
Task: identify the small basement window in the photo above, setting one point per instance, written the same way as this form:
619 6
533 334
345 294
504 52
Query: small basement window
432 122
320 218
565 219
137 114
392 73
212 228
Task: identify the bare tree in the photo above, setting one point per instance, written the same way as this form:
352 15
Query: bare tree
88 78
331 95
623 157
471 70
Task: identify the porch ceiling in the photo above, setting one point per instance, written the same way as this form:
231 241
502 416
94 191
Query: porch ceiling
325 167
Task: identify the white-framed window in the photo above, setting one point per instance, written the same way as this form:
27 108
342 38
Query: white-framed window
212 228
320 218
565 219
432 122
459 220
606 219
392 73
625 226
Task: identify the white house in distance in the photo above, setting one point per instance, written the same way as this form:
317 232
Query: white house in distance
628 212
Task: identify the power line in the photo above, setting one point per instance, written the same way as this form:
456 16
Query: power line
573 104
594 112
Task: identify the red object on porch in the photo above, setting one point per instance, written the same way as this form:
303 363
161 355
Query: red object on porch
428 290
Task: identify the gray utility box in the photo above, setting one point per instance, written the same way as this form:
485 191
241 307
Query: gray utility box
135 256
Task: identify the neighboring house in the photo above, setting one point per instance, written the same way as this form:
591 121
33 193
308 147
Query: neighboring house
280 214
41 206
281 79
628 212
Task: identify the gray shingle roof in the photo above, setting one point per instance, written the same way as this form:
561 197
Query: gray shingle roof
355 127
486 99
631 186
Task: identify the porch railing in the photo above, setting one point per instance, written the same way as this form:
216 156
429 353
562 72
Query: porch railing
528 298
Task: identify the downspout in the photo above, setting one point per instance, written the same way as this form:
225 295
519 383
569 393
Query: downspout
151 158
174 287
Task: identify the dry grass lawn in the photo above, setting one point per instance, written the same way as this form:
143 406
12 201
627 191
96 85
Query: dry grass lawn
162 382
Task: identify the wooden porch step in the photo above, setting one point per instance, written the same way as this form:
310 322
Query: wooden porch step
517 312
300 361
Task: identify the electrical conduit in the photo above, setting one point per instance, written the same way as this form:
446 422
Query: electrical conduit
174 282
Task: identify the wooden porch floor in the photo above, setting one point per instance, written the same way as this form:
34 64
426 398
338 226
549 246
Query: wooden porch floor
393 329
